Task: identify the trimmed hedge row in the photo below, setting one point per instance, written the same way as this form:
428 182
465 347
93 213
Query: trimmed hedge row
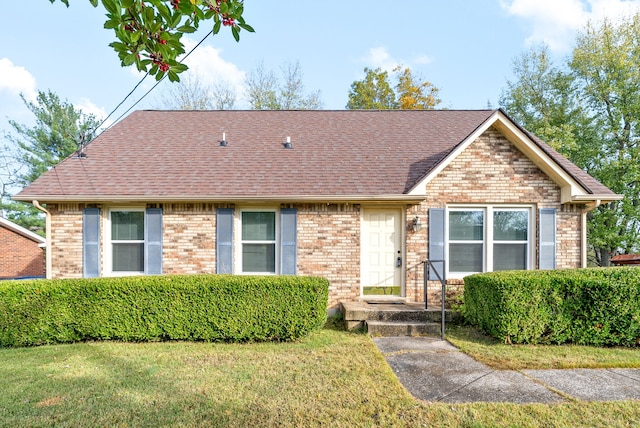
152 308
599 307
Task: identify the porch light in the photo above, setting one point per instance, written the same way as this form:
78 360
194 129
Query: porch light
223 143
288 145
416 226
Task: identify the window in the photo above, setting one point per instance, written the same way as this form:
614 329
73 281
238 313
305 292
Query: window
127 241
258 241
488 239
510 240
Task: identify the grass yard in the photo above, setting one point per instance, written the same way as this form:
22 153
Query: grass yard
332 378
501 356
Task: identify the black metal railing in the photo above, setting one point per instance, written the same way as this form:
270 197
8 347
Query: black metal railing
429 267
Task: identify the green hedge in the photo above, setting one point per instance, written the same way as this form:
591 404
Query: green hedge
597 306
152 308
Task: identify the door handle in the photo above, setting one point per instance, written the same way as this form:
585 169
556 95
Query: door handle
399 260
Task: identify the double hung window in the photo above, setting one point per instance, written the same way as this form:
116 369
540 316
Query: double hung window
127 241
258 241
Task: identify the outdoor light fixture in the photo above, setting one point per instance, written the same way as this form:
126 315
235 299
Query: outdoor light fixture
223 143
416 226
288 145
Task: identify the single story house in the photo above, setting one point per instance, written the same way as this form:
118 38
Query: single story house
21 252
359 197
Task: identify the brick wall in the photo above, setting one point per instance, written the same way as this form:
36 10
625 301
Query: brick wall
189 240
491 171
329 246
66 240
19 255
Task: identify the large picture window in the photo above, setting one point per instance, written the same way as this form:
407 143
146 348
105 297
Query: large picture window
488 238
258 242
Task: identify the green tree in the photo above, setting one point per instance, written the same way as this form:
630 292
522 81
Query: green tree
60 130
265 91
375 91
148 32
606 66
589 110
414 94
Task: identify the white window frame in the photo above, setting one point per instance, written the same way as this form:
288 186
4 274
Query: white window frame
488 241
108 244
238 238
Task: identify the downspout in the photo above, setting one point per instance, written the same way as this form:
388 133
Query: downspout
48 261
583 244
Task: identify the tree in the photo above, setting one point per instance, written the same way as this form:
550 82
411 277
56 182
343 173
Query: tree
589 110
544 99
606 66
191 94
375 91
148 32
415 95
60 130
266 92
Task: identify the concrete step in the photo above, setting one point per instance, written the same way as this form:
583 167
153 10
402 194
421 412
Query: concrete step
404 328
395 312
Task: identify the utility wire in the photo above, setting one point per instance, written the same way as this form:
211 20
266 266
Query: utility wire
146 93
122 102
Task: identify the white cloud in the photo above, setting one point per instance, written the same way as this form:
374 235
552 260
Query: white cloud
16 80
210 68
88 107
423 59
555 22
379 57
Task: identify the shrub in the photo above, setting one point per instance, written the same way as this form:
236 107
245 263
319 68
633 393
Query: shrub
597 306
151 308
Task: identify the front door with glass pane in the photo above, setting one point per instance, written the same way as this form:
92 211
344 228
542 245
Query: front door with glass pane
382 259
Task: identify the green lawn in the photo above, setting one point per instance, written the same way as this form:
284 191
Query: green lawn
331 378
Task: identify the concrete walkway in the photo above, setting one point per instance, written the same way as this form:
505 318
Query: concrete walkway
435 370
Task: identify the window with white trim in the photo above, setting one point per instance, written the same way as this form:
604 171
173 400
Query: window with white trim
258 241
126 241
489 238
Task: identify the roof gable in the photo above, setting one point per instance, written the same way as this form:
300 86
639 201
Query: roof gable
576 185
7 224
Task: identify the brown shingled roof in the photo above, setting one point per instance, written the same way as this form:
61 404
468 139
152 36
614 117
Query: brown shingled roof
165 154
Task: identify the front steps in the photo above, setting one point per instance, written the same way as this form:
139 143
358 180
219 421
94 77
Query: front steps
395 318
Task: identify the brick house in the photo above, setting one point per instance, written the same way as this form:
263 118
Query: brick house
21 252
359 197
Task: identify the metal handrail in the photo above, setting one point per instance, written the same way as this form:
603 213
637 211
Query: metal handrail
428 265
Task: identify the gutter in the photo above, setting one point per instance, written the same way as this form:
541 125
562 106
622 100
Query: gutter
404 198
583 239
48 261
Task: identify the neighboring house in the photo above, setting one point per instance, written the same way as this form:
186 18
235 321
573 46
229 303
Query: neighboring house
21 252
626 259
359 197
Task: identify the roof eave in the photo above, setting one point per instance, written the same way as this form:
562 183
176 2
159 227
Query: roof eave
401 198
22 231
600 199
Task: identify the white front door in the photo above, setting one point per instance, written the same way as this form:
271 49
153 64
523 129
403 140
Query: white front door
382 262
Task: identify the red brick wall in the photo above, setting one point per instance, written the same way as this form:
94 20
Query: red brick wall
19 256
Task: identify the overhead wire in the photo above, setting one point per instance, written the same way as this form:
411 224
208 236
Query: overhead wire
146 93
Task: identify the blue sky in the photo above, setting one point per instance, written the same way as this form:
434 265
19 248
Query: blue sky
464 47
